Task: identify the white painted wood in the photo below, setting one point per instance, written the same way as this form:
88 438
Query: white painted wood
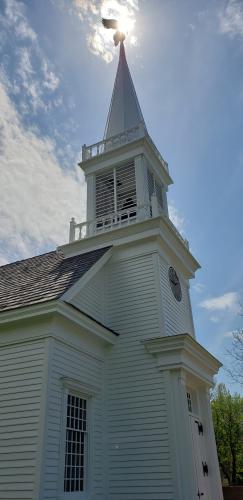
143 203
178 317
138 451
124 111
78 368
91 206
21 377
91 298
189 367
210 445
91 273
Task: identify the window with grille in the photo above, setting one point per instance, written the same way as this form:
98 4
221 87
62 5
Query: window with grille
75 471
116 191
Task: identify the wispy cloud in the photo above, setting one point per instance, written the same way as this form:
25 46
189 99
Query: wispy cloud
214 319
198 287
38 197
34 76
176 217
227 302
231 18
51 81
100 40
15 20
29 82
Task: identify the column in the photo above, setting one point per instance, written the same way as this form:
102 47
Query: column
91 204
142 188
180 435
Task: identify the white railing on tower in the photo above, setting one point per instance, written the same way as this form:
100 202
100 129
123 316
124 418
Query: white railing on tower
116 220
118 140
108 222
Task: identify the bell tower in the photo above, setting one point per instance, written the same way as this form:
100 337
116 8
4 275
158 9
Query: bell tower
157 375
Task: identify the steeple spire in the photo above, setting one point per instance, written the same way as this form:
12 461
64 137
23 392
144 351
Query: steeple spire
124 112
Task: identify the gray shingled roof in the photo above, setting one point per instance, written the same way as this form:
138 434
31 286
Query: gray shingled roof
42 278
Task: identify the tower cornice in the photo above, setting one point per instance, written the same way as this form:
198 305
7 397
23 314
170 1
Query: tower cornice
123 152
159 229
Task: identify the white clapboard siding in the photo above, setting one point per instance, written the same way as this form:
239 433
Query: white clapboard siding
91 298
177 315
72 363
139 465
21 378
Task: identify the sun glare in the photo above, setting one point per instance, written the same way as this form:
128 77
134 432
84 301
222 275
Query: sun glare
125 24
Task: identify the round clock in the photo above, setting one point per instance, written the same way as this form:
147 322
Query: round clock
175 284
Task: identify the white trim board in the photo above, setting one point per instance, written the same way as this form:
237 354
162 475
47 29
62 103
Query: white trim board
183 352
77 287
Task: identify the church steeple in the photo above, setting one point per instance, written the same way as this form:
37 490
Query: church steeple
125 112
127 178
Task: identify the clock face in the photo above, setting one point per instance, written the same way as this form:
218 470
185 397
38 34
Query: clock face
175 284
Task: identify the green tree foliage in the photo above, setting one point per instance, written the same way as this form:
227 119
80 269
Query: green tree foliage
235 369
227 413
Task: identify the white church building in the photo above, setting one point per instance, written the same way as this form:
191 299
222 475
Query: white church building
104 390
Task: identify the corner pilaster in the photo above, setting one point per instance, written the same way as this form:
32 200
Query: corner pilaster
91 201
141 188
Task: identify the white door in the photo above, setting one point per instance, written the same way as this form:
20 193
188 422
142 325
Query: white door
201 468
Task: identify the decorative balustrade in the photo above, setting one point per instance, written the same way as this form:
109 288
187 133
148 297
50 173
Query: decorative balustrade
81 230
118 140
113 142
103 224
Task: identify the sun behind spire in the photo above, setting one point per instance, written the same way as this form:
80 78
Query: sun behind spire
119 36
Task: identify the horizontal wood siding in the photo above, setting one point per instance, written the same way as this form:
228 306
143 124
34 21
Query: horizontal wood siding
91 298
177 315
139 465
72 363
21 376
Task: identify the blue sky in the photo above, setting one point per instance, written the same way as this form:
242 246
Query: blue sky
57 71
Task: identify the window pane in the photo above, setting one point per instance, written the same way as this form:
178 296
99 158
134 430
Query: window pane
74 473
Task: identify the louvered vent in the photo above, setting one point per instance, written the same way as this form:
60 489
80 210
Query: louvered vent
115 191
105 194
125 187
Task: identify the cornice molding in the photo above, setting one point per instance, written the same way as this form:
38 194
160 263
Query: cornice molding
55 308
156 227
122 153
183 352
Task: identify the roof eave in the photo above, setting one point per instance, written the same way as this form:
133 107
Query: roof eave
58 307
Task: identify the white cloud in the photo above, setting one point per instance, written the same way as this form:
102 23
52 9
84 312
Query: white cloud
231 18
51 81
176 218
229 302
30 83
15 18
34 72
38 197
100 40
227 335
214 319
198 287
